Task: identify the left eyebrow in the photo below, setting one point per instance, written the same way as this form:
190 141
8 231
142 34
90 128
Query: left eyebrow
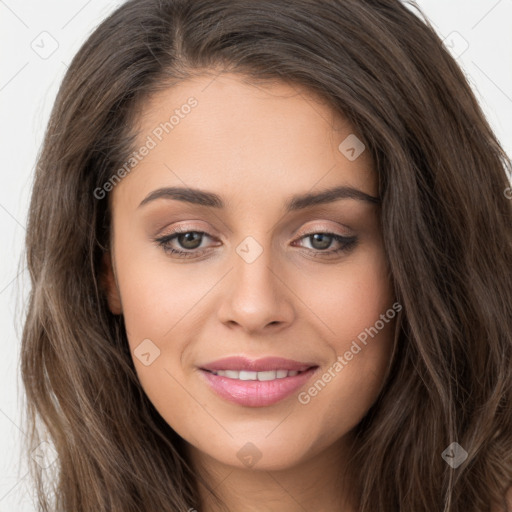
328 196
297 202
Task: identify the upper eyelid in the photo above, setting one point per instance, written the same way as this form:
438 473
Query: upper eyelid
185 228
297 233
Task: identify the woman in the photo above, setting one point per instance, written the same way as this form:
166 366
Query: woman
270 250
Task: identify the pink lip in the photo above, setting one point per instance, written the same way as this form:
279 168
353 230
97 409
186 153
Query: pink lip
254 393
258 365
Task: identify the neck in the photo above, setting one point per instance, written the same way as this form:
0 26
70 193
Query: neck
322 482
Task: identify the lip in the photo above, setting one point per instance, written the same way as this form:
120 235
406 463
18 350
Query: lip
254 393
258 365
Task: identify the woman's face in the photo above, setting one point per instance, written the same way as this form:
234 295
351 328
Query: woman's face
256 163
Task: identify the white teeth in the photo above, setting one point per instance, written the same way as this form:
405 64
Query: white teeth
248 375
262 376
270 375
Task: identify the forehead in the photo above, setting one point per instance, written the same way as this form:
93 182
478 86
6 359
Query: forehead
225 134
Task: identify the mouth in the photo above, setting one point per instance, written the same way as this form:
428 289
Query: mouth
252 388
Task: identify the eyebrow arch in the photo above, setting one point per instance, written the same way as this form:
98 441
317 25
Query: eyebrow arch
298 202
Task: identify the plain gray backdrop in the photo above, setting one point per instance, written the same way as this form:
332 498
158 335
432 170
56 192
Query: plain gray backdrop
39 39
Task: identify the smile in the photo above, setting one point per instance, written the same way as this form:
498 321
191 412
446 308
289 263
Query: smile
256 389
261 376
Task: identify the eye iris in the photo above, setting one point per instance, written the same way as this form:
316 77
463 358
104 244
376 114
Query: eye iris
185 238
325 240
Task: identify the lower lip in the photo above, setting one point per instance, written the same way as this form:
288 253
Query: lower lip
255 393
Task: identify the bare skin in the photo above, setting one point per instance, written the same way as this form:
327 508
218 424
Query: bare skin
255 147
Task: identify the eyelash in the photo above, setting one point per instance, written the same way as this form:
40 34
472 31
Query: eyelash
348 243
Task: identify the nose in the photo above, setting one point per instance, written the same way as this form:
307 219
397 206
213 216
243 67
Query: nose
255 296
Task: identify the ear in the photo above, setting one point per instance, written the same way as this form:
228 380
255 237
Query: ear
109 285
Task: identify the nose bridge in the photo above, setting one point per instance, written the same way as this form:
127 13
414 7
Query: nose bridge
257 295
254 274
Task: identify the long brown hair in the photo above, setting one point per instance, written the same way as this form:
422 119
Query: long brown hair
446 222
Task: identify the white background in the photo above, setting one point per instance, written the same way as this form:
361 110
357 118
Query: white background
28 85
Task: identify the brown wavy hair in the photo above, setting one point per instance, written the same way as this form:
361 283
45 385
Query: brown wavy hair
446 222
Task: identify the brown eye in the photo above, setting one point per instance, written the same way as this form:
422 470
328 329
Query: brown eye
183 244
190 240
321 241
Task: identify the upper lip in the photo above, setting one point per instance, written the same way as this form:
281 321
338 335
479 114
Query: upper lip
257 365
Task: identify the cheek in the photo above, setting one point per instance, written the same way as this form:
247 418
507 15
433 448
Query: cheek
351 296
158 300
355 309
156 293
